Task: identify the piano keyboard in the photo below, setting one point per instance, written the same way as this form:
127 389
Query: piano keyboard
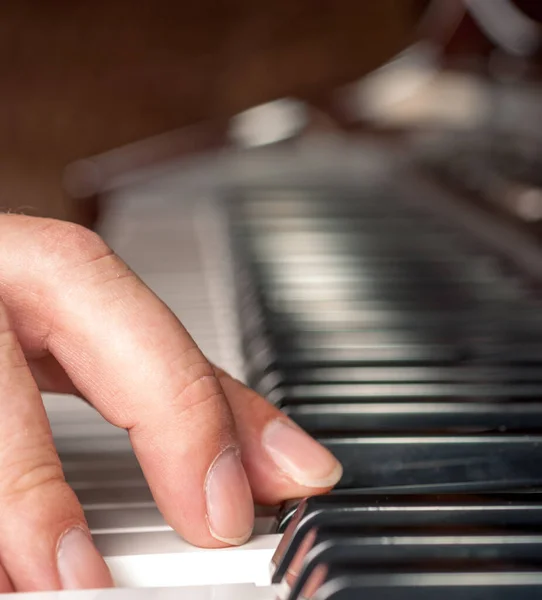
397 339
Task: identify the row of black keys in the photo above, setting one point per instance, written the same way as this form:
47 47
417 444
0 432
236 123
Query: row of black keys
396 402
415 359
400 547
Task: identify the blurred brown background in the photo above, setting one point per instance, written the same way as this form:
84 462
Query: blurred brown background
78 78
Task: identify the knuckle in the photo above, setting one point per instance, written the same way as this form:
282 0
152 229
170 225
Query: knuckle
81 255
199 390
70 243
26 476
186 367
191 392
192 362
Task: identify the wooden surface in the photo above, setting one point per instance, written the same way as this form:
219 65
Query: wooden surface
82 77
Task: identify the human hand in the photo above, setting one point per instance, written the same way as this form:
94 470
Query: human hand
75 319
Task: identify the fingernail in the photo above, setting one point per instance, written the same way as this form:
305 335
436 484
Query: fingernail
230 508
80 565
302 458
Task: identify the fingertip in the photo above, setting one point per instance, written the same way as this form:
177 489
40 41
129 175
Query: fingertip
230 507
300 457
80 565
281 459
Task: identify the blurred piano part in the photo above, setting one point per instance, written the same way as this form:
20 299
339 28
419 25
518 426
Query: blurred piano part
381 284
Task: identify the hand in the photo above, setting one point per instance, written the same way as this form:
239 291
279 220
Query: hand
75 319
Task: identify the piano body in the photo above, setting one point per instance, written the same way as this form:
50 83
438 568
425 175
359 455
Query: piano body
357 285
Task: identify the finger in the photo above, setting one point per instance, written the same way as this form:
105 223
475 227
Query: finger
44 540
281 460
128 355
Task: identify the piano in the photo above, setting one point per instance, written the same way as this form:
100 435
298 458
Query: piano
359 287
399 326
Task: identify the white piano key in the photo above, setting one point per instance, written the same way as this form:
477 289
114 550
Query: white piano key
130 518
127 497
115 497
164 559
246 591
96 472
66 404
116 444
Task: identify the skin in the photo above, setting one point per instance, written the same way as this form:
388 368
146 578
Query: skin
75 319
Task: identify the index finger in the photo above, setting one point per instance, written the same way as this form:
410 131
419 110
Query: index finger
127 353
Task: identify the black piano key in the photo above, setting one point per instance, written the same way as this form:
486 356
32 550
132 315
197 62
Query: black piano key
374 461
274 277
266 381
365 285
399 353
405 303
353 511
443 417
417 374
505 584
358 339
371 392
346 318
428 551
266 360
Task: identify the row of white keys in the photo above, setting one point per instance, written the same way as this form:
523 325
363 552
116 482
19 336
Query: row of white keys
206 592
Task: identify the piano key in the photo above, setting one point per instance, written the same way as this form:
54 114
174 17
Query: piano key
394 552
417 374
373 461
404 296
395 346
91 441
408 307
163 558
355 339
131 518
346 317
270 378
418 417
351 511
399 353
175 591
125 519
420 585
285 273
359 392
77 462
308 202
384 243
372 264
111 497
102 474
310 319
